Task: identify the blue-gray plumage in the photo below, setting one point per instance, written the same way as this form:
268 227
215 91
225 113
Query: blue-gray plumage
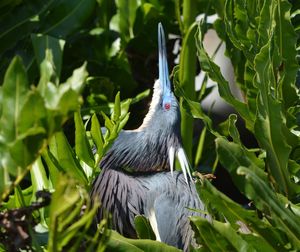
137 176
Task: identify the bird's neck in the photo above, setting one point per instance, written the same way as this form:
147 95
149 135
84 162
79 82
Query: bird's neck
141 152
155 102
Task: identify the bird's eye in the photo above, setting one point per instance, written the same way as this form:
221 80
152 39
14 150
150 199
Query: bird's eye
167 106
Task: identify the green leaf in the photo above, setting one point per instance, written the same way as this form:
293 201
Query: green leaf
194 109
270 237
270 128
1 100
124 18
19 200
66 17
38 177
214 73
119 243
68 226
82 146
34 113
233 131
54 168
65 156
123 122
48 78
117 108
39 182
31 130
286 41
143 228
108 123
233 155
14 90
97 136
84 222
78 79
212 240
19 23
42 44
264 197
25 149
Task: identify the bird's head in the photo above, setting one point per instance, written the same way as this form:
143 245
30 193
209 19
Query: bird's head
164 110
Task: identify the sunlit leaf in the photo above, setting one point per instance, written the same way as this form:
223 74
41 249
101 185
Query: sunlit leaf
143 228
62 151
82 146
120 243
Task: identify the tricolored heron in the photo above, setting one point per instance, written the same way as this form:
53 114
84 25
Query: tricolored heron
138 177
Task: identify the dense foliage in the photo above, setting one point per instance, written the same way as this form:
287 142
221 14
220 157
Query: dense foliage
74 61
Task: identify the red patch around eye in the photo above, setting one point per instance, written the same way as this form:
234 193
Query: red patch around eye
167 106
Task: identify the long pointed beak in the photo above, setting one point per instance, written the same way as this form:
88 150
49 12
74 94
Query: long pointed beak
163 63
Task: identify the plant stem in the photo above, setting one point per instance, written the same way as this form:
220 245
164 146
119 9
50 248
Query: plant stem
187 73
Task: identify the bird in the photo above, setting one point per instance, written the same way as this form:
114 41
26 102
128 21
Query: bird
137 173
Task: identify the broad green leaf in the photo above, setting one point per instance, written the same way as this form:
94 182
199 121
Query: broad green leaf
24 150
63 153
240 25
7 167
34 113
218 236
232 155
286 41
271 237
82 146
43 43
31 130
264 197
38 177
143 228
270 128
119 243
211 240
15 87
66 17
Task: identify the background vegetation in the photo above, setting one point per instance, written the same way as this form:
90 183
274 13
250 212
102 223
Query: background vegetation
76 58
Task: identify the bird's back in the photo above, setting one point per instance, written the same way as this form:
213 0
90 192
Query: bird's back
165 199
